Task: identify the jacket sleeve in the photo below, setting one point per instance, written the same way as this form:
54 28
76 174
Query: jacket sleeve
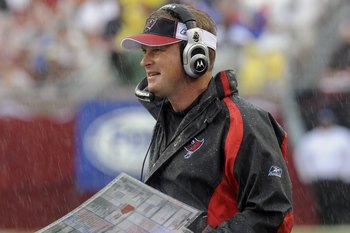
255 166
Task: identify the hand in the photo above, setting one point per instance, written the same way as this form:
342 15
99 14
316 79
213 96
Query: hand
182 230
209 229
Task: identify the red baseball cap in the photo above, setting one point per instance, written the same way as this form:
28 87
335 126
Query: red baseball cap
163 31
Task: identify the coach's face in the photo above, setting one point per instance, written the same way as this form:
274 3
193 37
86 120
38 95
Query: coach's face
165 74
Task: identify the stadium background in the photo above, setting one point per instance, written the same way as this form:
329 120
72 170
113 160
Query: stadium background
61 70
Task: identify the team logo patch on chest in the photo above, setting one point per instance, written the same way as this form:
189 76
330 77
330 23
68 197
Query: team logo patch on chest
193 146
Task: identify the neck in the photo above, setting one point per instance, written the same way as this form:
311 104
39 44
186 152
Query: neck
189 93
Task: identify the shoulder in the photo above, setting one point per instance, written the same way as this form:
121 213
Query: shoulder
254 120
247 110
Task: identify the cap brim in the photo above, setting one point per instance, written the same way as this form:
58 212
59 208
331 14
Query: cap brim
135 42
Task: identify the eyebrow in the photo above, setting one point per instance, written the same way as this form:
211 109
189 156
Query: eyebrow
159 46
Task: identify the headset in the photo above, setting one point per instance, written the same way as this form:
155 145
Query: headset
195 54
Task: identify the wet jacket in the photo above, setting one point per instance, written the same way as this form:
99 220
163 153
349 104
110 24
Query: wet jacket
227 159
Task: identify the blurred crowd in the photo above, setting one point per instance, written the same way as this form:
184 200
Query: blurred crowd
61 52
53 52
57 53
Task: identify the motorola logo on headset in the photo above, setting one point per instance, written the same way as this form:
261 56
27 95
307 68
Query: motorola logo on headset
195 55
200 65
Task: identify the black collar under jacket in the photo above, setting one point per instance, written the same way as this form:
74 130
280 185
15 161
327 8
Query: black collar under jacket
215 89
195 120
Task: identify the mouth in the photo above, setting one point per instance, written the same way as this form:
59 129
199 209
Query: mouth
152 74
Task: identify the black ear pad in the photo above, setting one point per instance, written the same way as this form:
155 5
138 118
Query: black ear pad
195 55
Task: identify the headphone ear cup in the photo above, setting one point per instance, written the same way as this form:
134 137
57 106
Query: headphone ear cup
195 54
195 60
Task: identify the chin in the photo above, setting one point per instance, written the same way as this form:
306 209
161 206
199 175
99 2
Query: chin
152 89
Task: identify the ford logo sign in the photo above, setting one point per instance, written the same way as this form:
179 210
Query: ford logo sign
117 141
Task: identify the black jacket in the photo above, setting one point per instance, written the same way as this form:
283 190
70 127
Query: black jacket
226 158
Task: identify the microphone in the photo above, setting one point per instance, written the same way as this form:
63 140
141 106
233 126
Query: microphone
142 93
153 138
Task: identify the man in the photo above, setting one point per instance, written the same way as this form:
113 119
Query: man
322 159
210 149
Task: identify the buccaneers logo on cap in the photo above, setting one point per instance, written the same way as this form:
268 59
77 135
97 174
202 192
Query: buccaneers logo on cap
193 146
149 24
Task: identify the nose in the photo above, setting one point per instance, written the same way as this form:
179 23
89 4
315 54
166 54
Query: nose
146 60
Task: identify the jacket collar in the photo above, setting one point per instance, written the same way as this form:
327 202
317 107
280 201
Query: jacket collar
222 85
226 83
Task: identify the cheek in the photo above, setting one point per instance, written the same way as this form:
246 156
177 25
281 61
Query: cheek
174 71
172 64
176 64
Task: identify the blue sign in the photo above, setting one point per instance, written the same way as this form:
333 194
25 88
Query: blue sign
112 137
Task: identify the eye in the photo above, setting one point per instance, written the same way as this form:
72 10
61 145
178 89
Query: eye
157 49
153 50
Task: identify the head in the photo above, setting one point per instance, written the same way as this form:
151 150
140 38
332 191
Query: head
183 37
193 18
202 21
325 117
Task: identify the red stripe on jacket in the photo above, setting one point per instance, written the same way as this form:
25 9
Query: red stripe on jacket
287 224
288 221
225 83
283 146
223 203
